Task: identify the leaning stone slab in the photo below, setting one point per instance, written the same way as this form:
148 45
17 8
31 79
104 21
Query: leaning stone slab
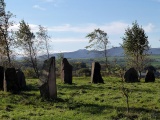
96 74
48 77
1 77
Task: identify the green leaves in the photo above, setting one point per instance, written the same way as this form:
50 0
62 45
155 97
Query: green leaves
135 45
98 40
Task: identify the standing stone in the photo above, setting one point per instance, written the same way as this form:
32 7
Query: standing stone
44 90
21 79
66 71
1 77
131 75
150 68
11 80
150 77
96 75
5 85
48 76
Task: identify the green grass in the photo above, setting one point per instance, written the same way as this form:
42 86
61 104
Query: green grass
84 101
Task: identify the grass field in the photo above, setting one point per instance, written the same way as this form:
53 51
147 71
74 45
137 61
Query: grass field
84 101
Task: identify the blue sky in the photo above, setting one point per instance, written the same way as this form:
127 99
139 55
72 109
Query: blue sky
69 21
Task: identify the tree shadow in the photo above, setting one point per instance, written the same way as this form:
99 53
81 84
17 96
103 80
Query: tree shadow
78 87
142 90
31 87
96 109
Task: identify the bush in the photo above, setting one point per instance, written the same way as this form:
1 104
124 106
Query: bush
84 72
29 73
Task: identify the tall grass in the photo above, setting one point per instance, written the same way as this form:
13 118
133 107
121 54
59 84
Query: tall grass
84 101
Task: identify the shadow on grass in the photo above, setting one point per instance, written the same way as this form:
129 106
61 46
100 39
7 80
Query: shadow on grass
96 109
31 87
78 87
142 90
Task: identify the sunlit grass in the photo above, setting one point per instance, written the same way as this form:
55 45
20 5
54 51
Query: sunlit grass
84 101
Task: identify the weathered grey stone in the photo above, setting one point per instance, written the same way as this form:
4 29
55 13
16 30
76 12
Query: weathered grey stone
11 80
66 71
48 76
131 75
150 77
1 77
44 91
95 73
21 79
5 85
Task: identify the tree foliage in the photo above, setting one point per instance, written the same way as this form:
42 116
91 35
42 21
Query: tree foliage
135 45
43 36
98 40
26 40
6 35
2 7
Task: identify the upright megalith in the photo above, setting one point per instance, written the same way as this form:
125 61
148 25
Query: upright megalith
21 79
48 88
150 77
95 73
1 77
131 75
150 68
11 80
66 71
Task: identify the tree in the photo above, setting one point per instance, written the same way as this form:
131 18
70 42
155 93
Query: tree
135 45
42 35
2 8
59 59
98 40
6 36
26 40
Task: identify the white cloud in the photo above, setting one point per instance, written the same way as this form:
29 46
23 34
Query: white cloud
39 8
34 28
64 40
149 28
110 28
114 28
56 3
49 0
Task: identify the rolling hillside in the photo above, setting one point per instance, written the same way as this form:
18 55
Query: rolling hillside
116 51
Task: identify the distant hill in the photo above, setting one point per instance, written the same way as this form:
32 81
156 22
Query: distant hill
115 51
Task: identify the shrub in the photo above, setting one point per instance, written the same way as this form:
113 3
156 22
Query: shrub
29 73
84 72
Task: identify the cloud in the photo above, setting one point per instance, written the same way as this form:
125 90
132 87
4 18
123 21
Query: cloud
110 28
39 8
49 0
71 40
34 28
149 28
56 3
114 28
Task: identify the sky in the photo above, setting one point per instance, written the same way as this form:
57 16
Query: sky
69 21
